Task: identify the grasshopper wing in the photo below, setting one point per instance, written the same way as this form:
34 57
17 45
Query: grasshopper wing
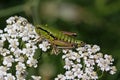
69 33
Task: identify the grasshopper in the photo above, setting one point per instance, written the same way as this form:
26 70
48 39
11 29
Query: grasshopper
59 39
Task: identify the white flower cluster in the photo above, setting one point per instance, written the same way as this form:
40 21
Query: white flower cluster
85 62
17 49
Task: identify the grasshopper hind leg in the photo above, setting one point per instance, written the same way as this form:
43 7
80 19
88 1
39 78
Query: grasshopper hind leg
55 50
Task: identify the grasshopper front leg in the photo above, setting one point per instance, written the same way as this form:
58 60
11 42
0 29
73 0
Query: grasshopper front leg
37 40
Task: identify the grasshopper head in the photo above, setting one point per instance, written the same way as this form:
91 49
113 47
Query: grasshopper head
40 30
37 29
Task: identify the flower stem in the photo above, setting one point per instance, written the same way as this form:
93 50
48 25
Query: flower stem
35 11
11 10
101 75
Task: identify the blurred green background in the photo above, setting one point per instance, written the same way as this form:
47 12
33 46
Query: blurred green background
95 22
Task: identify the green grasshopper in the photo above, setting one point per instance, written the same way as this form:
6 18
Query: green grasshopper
59 39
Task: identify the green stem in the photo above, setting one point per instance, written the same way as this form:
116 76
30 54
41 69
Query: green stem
32 5
11 10
35 11
101 75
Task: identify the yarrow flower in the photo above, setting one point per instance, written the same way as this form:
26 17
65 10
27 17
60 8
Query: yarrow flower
8 61
18 48
44 46
81 64
36 77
